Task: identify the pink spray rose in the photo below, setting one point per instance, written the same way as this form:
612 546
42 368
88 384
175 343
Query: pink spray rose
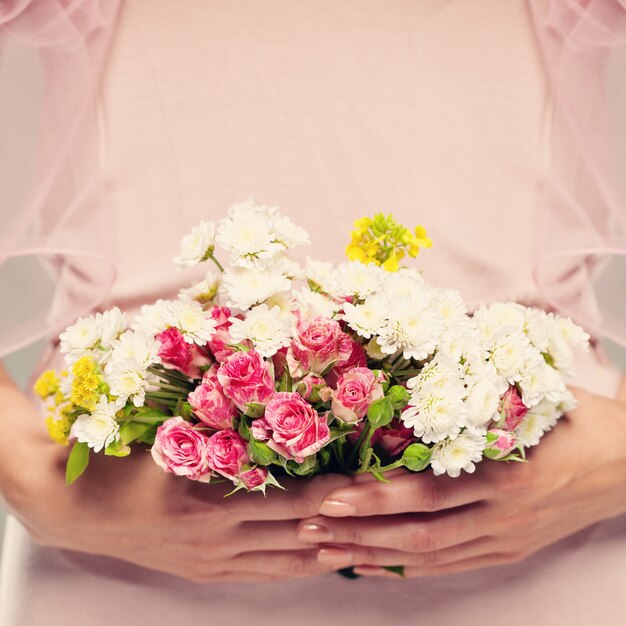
246 377
254 477
218 344
211 406
292 427
503 444
356 390
513 407
176 353
317 343
309 387
228 453
356 358
182 450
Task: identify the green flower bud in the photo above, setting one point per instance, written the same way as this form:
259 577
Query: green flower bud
416 457
380 413
398 396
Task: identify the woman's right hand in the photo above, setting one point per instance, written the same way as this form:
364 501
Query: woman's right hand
129 509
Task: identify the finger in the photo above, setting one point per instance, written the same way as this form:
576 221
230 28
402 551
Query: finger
408 533
407 493
458 567
275 535
244 577
291 564
360 555
301 498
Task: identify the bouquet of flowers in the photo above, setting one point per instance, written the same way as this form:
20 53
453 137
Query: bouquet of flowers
267 368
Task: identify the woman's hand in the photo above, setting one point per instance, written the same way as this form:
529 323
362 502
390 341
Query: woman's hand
129 509
501 514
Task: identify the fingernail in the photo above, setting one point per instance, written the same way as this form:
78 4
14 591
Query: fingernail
336 557
314 533
337 508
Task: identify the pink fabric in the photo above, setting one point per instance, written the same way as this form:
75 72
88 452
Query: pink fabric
439 111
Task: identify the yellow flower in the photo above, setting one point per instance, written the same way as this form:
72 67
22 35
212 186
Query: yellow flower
59 428
86 384
417 240
47 384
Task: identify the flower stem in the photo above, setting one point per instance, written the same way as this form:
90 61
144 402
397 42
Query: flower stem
219 265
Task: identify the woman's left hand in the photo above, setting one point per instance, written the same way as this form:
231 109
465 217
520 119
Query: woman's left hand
503 513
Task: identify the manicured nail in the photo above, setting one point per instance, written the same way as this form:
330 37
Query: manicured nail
337 508
336 557
372 570
314 533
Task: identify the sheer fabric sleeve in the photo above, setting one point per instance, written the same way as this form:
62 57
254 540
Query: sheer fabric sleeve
581 218
61 219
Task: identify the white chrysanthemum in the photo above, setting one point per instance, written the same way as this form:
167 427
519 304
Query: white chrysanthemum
435 413
204 291
195 246
136 346
414 331
369 318
286 232
441 374
500 315
99 429
113 324
537 326
536 422
538 379
313 304
574 335
247 287
153 318
268 329
188 316
459 454
82 336
322 274
359 280
405 283
482 403
128 380
451 307
509 351
476 368
247 234
284 300
286 266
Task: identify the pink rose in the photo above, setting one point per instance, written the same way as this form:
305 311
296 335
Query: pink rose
513 407
176 353
292 427
211 406
503 444
253 478
357 358
228 453
310 386
356 390
218 344
246 377
317 343
182 450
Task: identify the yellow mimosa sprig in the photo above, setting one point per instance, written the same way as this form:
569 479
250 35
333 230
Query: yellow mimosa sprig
381 240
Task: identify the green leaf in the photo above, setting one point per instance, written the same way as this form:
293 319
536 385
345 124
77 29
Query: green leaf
130 431
396 569
77 462
149 436
254 410
261 453
117 449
